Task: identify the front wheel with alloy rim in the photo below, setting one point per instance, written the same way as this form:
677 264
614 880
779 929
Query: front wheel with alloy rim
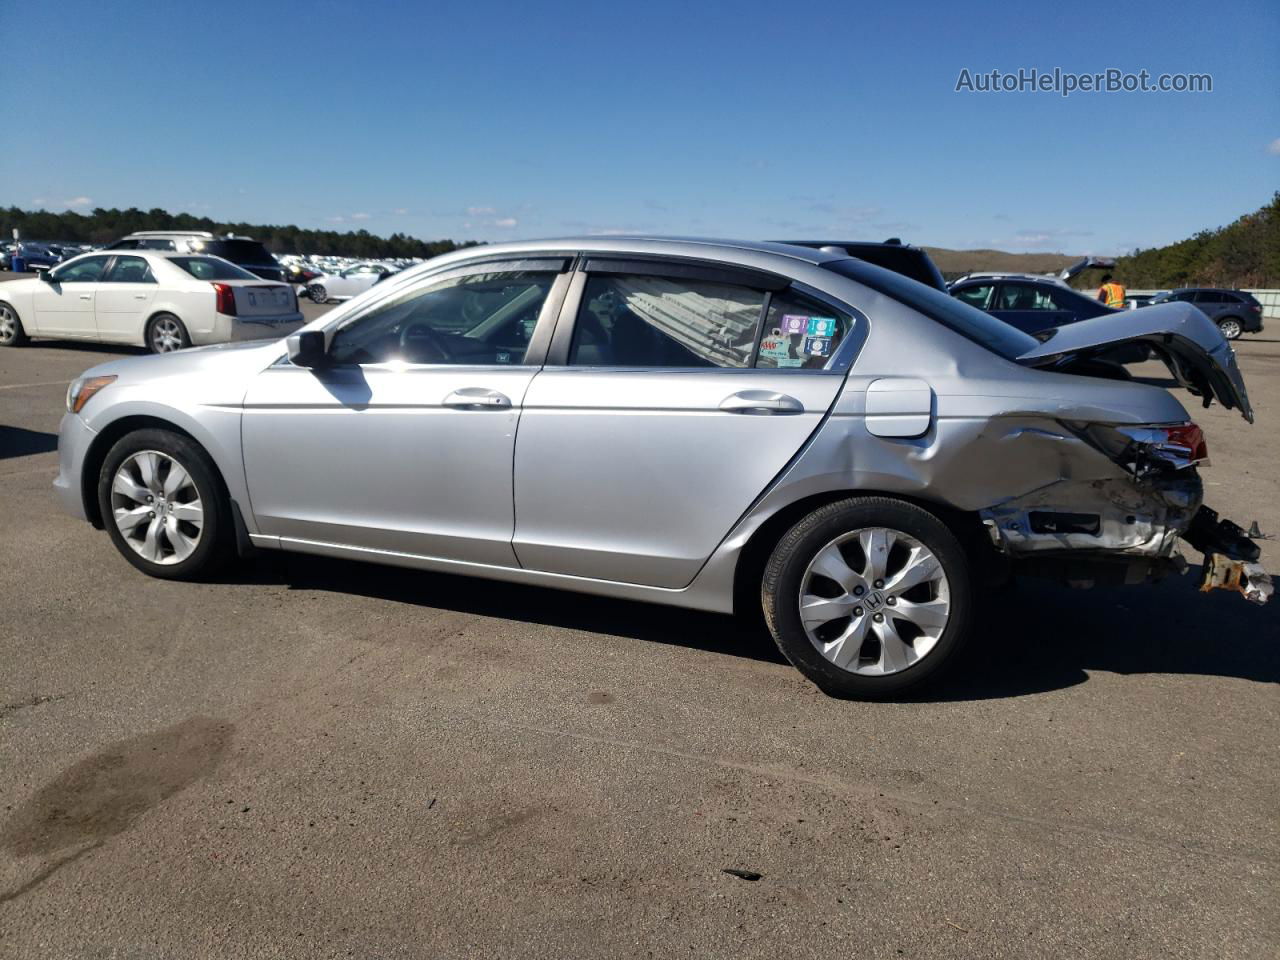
165 334
163 505
318 293
868 597
11 332
1230 328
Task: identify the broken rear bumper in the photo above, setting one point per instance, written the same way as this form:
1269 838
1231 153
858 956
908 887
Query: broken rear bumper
1230 557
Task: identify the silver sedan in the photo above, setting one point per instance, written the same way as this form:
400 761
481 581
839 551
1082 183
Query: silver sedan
716 425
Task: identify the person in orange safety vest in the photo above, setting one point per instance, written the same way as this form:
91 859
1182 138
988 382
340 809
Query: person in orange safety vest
1111 293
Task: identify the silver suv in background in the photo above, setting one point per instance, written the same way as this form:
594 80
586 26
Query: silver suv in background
244 252
712 424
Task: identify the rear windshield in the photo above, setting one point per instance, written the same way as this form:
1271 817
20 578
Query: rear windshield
970 322
237 251
211 268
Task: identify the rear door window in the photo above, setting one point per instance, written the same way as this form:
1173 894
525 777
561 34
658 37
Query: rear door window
211 268
636 320
1027 296
129 270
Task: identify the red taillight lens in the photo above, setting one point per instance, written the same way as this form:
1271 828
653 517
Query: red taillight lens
1187 437
226 298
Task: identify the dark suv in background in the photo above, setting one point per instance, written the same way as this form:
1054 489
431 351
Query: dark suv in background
892 254
1233 311
242 251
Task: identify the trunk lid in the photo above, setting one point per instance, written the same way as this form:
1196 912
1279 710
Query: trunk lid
1189 343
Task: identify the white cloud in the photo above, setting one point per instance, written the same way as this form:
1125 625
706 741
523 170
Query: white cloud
400 211
1273 147
480 211
78 202
336 219
360 216
506 222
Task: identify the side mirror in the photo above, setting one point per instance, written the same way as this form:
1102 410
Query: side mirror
48 277
307 349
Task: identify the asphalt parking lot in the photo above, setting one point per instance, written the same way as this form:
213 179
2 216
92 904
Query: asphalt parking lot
319 758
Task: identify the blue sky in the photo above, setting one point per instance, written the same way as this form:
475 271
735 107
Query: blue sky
506 120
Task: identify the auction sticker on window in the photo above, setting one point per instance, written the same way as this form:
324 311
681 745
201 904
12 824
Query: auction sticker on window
792 323
817 346
821 327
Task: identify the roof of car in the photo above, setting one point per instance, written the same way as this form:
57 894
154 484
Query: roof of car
655 245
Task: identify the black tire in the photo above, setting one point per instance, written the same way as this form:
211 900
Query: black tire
1231 327
217 534
178 339
11 332
784 575
318 293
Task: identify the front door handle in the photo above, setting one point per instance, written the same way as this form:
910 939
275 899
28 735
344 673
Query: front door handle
139 296
477 398
767 402
86 296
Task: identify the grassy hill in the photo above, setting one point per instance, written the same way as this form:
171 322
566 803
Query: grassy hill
953 263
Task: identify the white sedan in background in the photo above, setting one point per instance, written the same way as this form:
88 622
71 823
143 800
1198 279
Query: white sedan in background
349 283
158 299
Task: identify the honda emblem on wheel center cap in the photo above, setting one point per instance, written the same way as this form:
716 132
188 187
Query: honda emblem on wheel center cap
873 600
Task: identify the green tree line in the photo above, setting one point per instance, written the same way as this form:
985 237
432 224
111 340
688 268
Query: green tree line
1243 254
103 226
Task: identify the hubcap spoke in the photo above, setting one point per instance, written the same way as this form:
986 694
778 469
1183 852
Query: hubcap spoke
815 611
844 650
176 480
930 616
126 486
192 512
151 548
895 653
830 563
130 520
148 470
181 543
876 544
921 567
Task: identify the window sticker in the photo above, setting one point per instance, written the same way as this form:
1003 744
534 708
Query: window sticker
776 347
822 327
791 361
817 346
794 323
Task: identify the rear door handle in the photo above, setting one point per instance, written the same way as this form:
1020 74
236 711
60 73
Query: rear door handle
139 296
767 402
86 296
477 398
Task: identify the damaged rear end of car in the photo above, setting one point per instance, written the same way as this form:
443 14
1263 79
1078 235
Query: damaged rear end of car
1121 517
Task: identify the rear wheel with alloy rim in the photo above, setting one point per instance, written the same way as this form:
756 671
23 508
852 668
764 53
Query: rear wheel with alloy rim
163 505
868 597
1230 327
11 332
165 333
318 293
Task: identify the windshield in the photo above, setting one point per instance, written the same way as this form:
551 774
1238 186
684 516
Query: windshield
237 251
211 268
970 322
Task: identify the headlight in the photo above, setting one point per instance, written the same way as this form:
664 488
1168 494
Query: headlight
82 389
